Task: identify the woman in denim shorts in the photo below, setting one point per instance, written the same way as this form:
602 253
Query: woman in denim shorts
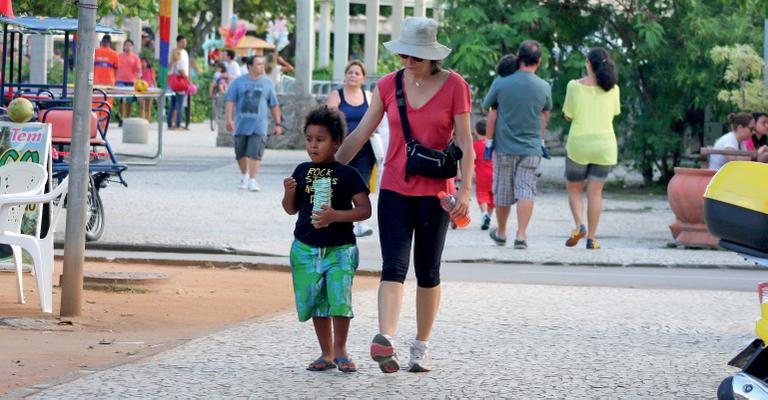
590 104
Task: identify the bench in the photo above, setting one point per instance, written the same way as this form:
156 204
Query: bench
102 164
705 152
60 119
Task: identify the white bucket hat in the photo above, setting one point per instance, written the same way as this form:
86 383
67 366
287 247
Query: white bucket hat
419 39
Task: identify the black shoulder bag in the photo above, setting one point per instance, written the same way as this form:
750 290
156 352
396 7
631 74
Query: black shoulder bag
422 160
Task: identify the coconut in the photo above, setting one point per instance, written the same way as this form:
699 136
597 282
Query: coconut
20 110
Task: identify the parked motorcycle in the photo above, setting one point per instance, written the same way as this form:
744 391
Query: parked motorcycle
736 211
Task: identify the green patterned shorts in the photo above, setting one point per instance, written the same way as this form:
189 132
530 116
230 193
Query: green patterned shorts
322 279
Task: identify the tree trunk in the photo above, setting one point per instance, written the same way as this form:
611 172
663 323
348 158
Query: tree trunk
647 171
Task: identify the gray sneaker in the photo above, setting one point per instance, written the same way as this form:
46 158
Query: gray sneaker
421 359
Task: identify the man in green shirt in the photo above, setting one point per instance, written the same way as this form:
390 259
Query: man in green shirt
524 102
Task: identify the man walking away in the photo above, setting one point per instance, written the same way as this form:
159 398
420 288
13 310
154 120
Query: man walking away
105 61
524 103
252 94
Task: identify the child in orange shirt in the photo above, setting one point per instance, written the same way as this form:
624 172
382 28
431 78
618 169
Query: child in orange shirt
483 175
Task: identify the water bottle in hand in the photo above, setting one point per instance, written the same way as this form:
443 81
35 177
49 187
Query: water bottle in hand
321 187
448 201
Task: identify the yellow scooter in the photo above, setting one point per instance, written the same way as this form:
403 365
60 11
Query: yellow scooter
736 211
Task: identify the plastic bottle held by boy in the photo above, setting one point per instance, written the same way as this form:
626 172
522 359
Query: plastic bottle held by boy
448 201
321 188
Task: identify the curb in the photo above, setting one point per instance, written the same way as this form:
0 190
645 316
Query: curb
205 263
605 264
143 254
159 248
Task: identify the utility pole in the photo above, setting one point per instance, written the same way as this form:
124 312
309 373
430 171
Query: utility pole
74 242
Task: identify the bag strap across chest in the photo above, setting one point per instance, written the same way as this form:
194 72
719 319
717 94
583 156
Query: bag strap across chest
400 98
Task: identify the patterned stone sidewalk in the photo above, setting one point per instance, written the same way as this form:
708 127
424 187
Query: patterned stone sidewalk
490 341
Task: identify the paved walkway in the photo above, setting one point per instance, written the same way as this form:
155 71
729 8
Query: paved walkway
490 341
191 199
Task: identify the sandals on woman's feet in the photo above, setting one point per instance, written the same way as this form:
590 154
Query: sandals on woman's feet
321 364
345 364
576 235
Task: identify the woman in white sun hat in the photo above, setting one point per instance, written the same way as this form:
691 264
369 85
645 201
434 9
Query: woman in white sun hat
438 110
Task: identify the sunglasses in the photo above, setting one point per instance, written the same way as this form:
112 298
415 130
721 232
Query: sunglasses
406 56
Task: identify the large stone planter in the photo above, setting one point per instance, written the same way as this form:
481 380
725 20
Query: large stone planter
685 193
293 109
223 137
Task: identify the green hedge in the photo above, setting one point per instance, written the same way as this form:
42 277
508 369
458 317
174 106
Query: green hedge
201 103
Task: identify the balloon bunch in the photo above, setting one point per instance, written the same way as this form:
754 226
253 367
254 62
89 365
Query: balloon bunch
233 33
212 43
277 34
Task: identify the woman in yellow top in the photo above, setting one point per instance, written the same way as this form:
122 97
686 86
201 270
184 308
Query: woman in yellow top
590 103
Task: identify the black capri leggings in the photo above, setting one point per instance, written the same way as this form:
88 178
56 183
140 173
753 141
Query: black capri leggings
400 217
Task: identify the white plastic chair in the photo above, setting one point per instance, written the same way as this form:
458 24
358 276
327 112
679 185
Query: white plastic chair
22 183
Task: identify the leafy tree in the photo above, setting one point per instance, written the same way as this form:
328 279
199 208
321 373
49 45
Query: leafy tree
144 9
480 32
660 46
670 76
745 68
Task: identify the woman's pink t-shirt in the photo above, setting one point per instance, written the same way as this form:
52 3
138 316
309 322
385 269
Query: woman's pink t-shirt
431 125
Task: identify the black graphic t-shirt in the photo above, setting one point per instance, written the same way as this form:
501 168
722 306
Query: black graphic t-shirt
345 183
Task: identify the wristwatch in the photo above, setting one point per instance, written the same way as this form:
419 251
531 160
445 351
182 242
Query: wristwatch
278 124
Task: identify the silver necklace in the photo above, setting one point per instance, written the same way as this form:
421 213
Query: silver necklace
416 82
